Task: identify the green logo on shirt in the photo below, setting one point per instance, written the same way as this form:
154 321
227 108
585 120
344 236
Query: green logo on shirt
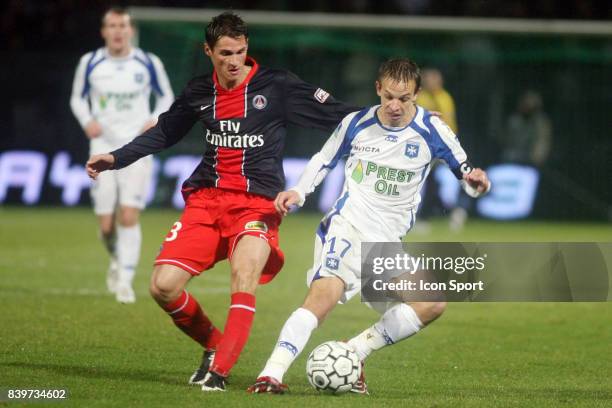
122 100
358 173
387 178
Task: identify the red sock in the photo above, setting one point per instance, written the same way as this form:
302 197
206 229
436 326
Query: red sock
237 329
188 316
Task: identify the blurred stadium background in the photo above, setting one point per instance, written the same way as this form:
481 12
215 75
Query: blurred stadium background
490 53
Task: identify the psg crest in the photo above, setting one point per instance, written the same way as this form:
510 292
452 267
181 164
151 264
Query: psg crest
412 150
259 102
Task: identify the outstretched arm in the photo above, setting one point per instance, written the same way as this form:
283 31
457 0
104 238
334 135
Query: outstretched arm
171 127
317 168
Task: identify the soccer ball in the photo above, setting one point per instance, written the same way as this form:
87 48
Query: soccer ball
333 367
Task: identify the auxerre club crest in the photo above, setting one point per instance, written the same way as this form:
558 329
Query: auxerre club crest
331 262
412 150
259 102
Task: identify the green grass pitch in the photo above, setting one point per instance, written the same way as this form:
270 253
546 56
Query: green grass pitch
60 329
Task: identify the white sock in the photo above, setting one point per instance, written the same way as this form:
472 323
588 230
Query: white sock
291 341
398 323
128 251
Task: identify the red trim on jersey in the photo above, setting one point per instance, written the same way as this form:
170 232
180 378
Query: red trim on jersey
232 104
229 169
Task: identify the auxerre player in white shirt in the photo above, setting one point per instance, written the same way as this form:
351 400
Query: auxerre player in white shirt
111 100
390 148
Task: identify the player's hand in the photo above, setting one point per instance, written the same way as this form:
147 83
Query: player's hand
99 163
285 200
148 125
478 180
93 129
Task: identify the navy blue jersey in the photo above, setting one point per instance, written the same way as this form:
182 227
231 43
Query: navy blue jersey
244 128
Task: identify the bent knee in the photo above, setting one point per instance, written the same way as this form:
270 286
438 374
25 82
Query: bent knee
437 308
128 216
164 290
323 296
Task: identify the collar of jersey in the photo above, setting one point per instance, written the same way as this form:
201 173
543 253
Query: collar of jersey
254 67
127 57
394 129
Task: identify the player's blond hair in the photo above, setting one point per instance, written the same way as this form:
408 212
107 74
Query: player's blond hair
400 70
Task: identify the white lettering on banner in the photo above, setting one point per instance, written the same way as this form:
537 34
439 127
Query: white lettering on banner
513 193
22 169
331 188
71 179
180 167
449 189
512 197
332 185
293 169
150 195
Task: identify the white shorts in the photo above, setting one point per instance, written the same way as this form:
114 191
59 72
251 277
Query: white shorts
337 253
127 187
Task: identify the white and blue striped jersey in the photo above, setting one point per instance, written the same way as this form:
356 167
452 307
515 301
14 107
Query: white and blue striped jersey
115 91
385 169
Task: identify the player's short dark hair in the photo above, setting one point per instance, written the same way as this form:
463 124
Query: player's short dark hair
122 11
226 24
400 70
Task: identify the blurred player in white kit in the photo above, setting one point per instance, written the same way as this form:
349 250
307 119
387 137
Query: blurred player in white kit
111 100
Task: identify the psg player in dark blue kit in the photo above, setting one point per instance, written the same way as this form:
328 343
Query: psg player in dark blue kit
244 109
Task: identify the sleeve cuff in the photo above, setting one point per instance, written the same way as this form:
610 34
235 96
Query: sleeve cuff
114 166
85 121
301 194
471 191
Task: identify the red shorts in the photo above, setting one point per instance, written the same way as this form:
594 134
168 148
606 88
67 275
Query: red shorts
211 225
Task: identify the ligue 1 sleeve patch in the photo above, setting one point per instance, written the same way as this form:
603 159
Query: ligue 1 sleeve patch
321 95
256 226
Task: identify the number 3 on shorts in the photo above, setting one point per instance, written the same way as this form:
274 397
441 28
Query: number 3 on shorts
174 231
